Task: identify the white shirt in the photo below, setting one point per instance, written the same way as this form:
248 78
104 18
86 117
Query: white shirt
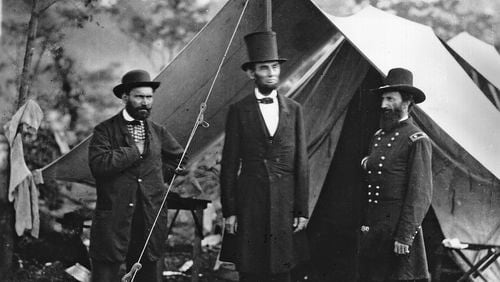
270 112
127 116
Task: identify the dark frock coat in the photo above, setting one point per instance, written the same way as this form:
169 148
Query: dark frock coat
264 182
399 191
120 170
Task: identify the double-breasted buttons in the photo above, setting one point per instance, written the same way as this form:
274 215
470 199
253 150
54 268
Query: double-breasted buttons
139 180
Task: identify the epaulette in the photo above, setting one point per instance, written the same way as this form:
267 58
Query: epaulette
378 132
419 135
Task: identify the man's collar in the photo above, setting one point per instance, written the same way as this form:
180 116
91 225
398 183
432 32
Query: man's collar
404 118
272 95
127 116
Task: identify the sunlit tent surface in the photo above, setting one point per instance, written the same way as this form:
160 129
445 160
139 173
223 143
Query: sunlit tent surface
481 61
333 62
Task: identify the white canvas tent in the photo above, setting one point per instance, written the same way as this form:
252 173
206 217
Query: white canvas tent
481 61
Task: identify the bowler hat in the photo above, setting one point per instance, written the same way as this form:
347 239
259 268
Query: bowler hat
71 220
400 79
261 47
133 79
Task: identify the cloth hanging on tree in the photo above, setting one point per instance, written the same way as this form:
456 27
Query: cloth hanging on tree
22 189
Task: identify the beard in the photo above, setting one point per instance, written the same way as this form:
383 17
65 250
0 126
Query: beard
139 113
265 88
390 118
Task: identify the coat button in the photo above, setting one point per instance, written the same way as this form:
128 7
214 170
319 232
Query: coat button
396 134
369 200
382 132
382 158
369 193
375 145
139 180
379 172
389 145
376 202
369 186
369 172
392 138
130 204
376 194
377 187
380 165
378 138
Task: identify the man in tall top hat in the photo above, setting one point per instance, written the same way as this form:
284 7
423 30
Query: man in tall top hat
130 156
264 177
399 187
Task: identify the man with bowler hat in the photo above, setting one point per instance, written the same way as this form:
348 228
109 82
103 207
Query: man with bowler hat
130 157
264 177
398 188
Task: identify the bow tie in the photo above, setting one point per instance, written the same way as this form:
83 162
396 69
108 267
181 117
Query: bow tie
134 122
265 100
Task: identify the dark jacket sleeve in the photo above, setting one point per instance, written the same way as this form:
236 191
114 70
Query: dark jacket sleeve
301 169
419 194
104 160
171 154
230 163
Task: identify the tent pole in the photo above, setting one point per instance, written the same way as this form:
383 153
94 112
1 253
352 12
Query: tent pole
269 15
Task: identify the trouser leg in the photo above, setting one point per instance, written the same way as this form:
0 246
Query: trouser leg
105 271
148 272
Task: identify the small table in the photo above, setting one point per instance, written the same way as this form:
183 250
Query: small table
492 254
196 206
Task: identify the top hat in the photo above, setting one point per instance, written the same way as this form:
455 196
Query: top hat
261 47
400 79
133 79
71 220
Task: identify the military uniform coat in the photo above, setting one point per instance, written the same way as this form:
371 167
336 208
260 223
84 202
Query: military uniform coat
264 182
120 170
399 192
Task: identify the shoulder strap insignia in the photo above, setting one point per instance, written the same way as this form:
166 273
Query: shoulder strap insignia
419 135
378 132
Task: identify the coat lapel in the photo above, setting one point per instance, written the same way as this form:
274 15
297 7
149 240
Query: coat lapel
283 114
255 118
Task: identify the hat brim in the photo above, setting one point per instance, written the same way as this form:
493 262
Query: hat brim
122 88
247 65
418 95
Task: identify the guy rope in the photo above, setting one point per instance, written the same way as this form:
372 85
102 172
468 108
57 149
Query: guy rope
130 276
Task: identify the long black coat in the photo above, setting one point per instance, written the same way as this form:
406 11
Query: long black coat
399 191
119 170
264 182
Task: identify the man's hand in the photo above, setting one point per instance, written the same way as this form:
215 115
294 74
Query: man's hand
231 224
401 249
299 223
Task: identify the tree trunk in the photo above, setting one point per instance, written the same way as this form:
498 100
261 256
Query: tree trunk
6 212
26 77
6 209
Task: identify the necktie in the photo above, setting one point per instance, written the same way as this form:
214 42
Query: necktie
265 100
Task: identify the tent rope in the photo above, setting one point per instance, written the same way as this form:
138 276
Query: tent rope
200 120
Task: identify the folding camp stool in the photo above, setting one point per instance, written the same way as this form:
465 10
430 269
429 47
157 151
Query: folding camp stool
492 254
